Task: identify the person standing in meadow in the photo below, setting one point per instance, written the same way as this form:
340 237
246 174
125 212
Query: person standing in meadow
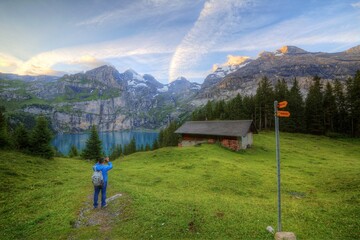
103 165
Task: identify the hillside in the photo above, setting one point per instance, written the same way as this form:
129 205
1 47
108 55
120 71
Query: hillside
201 192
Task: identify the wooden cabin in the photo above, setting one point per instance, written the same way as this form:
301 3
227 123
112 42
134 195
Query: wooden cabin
235 135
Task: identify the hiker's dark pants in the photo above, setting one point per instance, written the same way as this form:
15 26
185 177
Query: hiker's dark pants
103 195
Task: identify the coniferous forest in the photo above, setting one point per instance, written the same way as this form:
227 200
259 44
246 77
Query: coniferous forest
327 109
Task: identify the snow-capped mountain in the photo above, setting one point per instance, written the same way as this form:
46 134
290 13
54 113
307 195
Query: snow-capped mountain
287 63
220 71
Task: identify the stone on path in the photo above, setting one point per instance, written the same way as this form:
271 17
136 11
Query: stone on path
113 197
285 236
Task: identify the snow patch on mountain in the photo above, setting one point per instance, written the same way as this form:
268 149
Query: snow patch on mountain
195 86
165 88
222 71
290 50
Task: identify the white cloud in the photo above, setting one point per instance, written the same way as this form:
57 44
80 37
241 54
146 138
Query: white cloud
207 32
302 30
89 56
9 63
231 60
138 10
233 26
356 5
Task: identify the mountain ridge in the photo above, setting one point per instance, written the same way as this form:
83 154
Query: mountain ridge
101 96
129 100
287 63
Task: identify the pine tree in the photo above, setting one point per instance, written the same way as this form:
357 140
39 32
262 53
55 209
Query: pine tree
235 108
126 149
329 106
22 138
73 151
160 140
130 147
249 105
41 138
296 108
341 115
116 152
4 134
209 115
199 114
265 103
281 91
133 145
314 108
155 145
219 111
168 137
353 102
57 153
93 147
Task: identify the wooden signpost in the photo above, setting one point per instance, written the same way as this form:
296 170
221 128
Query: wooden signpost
278 114
283 114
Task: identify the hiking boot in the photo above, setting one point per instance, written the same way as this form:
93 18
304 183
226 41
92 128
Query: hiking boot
104 206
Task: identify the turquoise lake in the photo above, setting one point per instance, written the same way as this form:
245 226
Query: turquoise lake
63 142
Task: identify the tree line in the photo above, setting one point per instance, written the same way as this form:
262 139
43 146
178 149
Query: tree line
331 108
167 137
93 148
35 141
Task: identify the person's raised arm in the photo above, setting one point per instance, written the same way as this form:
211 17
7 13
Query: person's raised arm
109 166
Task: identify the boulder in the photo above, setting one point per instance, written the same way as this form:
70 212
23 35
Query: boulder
285 236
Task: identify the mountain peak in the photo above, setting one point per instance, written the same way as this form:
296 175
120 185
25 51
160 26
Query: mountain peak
355 49
181 78
133 75
291 50
101 68
130 70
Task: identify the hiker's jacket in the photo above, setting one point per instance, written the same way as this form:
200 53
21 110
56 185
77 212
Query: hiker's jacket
104 169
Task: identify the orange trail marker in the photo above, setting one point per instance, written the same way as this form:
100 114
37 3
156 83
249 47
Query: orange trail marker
283 114
282 104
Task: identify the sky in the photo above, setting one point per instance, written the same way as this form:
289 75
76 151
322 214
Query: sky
165 38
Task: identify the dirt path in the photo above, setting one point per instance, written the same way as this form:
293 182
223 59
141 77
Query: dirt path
103 217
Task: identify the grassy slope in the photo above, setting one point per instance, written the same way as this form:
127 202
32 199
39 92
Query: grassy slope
197 192
39 198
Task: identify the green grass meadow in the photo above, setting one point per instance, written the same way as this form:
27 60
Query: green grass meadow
204 192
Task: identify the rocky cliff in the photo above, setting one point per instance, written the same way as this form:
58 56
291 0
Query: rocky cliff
102 96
